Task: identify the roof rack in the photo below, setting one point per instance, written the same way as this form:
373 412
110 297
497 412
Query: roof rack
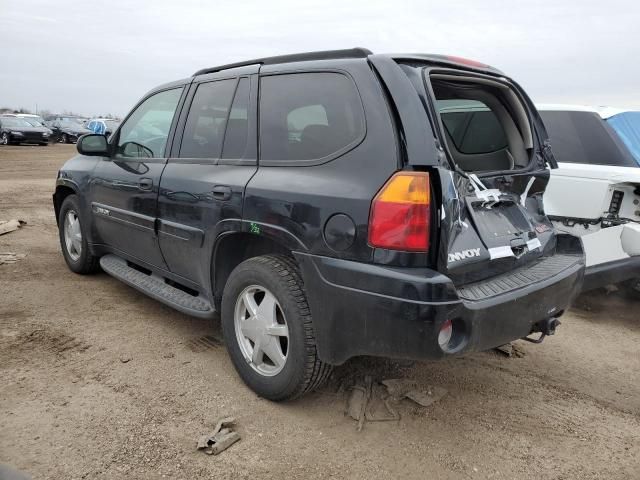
295 57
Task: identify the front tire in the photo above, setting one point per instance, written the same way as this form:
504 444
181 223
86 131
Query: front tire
64 138
73 238
4 139
268 329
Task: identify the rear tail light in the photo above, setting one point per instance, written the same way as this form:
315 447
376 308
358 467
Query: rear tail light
400 214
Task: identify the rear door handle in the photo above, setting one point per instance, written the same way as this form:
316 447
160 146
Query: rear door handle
145 184
221 192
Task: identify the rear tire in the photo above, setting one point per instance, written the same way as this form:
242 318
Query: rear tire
73 238
4 139
64 138
298 369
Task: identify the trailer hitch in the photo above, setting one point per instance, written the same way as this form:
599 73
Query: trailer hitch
545 327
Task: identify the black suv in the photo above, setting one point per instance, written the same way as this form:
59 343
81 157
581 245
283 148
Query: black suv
328 205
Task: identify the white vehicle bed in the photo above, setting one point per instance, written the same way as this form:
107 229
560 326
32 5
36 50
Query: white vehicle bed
595 192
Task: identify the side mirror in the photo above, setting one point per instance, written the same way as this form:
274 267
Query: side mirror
93 144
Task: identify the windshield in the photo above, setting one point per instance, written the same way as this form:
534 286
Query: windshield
627 126
14 122
33 122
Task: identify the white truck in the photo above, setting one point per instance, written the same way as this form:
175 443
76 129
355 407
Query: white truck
595 192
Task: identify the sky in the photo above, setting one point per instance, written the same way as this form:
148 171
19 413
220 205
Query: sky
96 58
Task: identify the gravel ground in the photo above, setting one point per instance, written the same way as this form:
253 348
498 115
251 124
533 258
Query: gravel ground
98 381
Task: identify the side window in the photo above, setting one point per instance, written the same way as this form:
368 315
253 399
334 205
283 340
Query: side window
145 132
207 119
308 116
472 126
91 126
235 138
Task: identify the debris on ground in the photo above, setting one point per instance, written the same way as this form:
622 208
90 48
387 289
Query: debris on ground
7 226
510 350
10 257
222 437
399 388
426 397
125 359
370 403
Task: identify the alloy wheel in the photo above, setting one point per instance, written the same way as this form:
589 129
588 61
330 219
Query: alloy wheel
73 235
261 330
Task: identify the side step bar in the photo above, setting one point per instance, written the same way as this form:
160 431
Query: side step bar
156 288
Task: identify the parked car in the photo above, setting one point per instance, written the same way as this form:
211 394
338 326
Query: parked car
67 129
30 116
320 203
17 130
36 123
595 192
103 126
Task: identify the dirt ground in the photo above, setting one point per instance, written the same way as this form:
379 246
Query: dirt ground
98 381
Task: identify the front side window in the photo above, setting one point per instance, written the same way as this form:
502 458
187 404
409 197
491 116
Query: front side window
207 119
145 132
308 116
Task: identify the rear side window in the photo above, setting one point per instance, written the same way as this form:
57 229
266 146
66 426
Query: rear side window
472 126
308 116
235 138
583 137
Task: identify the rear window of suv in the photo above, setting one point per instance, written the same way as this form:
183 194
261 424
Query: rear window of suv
583 137
308 116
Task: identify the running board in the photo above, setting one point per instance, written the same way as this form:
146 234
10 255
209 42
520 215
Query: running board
155 287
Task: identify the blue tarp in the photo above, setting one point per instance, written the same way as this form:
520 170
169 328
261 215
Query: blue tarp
627 126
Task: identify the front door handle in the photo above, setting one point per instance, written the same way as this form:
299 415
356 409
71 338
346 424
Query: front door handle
221 192
145 184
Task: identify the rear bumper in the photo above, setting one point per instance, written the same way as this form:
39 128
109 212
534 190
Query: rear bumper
364 309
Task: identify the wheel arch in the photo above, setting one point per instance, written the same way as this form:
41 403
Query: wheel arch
63 190
233 248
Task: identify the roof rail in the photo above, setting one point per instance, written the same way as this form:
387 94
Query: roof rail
295 57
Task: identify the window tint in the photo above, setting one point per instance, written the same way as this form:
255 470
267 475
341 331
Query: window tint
235 137
308 116
145 132
472 126
583 137
204 130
